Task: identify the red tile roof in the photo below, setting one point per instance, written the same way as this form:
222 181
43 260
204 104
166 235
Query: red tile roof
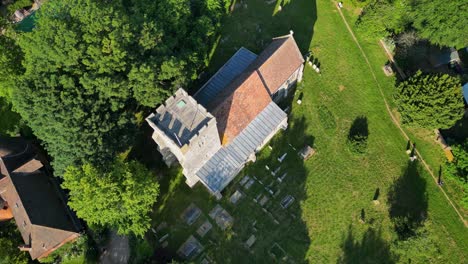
242 100
239 104
39 211
278 62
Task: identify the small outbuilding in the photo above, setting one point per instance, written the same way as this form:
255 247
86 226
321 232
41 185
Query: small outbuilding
444 57
465 92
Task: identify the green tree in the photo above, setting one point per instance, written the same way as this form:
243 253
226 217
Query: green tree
458 169
381 18
120 197
430 100
10 65
442 22
89 64
10 239
423 247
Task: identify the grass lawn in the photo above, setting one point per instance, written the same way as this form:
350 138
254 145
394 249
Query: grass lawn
333 217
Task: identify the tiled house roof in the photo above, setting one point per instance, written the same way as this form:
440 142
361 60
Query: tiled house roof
225 75
44 221
278 61
239 104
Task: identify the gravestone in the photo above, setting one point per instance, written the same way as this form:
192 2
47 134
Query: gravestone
204 228
191 214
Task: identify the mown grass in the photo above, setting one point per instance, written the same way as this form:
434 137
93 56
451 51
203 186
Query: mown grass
334 188
423 138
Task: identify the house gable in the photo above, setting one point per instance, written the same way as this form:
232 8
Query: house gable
278 62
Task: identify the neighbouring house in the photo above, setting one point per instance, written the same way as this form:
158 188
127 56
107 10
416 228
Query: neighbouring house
30 196
444 57
217 131
465 92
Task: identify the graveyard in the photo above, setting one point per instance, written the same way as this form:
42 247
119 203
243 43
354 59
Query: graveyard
308 197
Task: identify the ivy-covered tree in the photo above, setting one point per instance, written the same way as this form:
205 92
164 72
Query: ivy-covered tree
119 197
430 100
89 64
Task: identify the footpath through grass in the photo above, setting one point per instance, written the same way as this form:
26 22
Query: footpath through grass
333 217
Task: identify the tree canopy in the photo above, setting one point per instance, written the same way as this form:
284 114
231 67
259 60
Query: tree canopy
430 101
441 22
120 197
89 64
10 65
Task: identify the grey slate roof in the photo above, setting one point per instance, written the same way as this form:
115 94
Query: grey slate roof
217 172
181 117
224 76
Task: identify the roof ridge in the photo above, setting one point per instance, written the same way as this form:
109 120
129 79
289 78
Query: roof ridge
284 36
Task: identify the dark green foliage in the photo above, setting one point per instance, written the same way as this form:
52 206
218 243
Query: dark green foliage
458 169
120 197
141 251
10 65
10 239
421 248
358 135
441 22
76 251
10 122
430 100
89 64
381 18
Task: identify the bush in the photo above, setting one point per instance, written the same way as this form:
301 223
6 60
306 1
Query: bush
458 169
69 252
141 250
430 100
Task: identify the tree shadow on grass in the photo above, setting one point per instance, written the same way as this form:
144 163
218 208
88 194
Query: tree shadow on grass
408 202
253 23
358 135
370 249
282 235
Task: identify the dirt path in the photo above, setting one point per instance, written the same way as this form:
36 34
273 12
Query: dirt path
395 121
117 250
390 57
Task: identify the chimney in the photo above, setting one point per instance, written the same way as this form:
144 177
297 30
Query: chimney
25 248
